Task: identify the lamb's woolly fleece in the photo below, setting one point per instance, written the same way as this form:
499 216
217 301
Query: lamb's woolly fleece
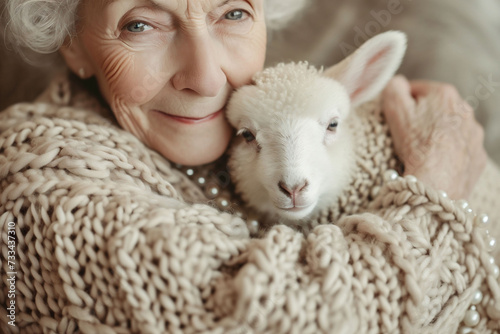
105 245
277 90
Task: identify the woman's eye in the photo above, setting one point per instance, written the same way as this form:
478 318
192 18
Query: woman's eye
333 125
249 137
234 15
138 27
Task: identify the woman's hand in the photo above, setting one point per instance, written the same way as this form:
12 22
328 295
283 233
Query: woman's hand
435 134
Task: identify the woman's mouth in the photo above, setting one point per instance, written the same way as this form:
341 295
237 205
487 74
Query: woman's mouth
295 208
192 120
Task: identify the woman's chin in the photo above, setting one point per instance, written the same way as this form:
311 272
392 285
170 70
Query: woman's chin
195 156
192 149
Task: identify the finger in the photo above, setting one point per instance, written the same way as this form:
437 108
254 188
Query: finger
399 109
397 101
464 109
443 95
421 88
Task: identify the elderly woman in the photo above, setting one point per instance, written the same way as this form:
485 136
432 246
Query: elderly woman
104 239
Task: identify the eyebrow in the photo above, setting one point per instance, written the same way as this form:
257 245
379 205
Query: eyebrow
157 5
151 2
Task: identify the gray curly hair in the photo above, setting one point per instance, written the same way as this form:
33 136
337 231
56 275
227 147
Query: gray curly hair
43 25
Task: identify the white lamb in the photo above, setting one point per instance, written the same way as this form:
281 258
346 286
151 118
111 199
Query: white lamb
294 152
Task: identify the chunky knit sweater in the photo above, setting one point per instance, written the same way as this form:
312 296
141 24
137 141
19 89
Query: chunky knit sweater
111 238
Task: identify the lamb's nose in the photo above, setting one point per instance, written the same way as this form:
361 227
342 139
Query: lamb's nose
292 191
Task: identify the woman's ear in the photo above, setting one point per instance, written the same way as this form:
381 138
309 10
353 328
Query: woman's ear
366 72
76 58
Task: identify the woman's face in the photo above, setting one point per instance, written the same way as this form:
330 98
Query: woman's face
167 67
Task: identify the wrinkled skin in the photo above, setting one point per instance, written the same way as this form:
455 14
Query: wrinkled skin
435 135
166 69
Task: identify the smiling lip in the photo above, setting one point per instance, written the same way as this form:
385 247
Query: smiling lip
295 208
192 120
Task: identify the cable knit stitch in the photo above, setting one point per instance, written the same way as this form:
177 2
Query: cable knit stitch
107 242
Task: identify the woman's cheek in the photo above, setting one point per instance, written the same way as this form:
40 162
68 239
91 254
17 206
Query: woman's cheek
126 99
131 119
248 57
129 77
143 81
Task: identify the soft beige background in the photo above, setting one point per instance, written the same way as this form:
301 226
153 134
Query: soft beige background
456 41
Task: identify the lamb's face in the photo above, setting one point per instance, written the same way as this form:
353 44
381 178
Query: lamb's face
293 151
295 154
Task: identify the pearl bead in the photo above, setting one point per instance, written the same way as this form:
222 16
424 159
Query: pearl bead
410 178
253 225
469 210
477 297
492 242
464 330
442 194
496 271
190 172
222 203
390 175
463 204
492 310
471 318
482 219
211 191
201 180
491 260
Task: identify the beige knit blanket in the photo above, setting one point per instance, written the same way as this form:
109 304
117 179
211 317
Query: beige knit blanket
106 243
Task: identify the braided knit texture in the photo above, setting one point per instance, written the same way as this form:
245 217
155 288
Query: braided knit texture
107 242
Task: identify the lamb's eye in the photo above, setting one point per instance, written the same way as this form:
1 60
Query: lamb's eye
333 125
249 137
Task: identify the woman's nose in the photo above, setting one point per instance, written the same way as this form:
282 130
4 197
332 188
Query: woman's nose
200 70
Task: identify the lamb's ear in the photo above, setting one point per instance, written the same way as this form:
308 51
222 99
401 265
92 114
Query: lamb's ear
366 72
